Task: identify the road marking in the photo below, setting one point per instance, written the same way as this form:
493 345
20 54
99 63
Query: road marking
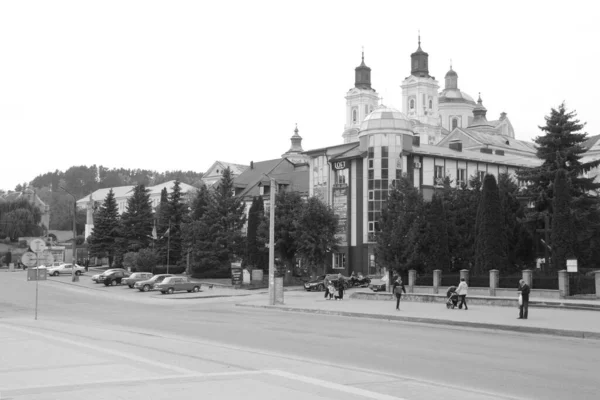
334 386
130 357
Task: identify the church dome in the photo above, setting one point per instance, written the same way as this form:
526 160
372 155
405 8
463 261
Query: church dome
385 118
455 96
450 73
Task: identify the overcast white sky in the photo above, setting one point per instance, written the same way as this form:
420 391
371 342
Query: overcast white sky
169 85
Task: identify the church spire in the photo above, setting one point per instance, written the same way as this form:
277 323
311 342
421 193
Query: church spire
479 112
419 62
362 75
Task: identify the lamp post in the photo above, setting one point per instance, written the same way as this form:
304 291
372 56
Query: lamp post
74 277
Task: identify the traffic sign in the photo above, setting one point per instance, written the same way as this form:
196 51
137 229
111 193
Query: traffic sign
29 259
45 257
37 245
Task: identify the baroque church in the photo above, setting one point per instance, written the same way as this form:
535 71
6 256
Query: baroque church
437 134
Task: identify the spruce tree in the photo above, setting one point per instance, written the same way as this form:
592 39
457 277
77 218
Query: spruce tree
562 221
200 203
162 225
106 229
219 232
490 241
178 212
436 236
138 220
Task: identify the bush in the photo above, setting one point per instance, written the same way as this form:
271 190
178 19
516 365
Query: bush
162 269
224 273
23 244
79 239
130 261
146 260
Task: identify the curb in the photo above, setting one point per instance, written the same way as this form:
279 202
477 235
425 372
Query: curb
434 321
477 300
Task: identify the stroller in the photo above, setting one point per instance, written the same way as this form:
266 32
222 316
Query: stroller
452 296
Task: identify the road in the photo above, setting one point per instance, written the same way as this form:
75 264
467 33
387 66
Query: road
409 361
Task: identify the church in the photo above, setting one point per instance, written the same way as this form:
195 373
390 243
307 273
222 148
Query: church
437 134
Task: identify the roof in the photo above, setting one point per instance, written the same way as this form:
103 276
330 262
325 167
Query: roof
169 185
354 152
236 169
513 160
254 174
262 171
385 118
455 96
488 136
590 142
100 194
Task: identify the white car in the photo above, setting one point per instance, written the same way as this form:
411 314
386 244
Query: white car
65 269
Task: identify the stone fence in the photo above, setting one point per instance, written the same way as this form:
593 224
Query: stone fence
493 289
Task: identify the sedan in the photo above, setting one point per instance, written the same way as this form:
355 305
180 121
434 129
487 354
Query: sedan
66 269
136 277
144 286
99 278
177 284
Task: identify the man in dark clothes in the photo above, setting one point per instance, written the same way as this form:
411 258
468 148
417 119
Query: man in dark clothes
524 307
398 288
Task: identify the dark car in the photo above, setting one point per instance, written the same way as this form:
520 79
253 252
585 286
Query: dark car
378 287
173 284
144 286
115 277
317 283
137 277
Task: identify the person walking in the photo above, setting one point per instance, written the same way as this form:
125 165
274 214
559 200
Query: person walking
326 286
524 290
398 288
340 288
462 290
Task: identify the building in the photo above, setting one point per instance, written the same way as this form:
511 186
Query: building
436 135
214 173
122 195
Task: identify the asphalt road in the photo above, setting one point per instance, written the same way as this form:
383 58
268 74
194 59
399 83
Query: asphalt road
422 361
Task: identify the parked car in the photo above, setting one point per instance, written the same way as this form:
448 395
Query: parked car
144 286
378 287
136 277
317 283
65 269
100 277
177 284
115 277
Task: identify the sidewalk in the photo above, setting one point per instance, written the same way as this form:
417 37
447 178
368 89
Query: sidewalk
551 321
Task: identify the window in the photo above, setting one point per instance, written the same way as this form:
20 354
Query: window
371 164
438 178
412 104
371 226
366 110
354 116
371 195
481 175
430 104
454 123
341 176
339 261
461 174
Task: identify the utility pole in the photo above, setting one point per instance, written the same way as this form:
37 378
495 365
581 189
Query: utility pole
272 244
74 277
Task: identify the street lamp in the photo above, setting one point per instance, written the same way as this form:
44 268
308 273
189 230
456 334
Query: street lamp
74 277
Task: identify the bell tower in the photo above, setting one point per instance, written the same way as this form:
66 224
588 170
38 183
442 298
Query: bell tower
360 101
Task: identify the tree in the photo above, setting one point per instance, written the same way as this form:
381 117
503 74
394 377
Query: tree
562 147
437 255
219 239
106 229
288 208
490 238
146 260
256 254
200 203
317 225
162 224
562 225
19 218
137 220
404 205
177 215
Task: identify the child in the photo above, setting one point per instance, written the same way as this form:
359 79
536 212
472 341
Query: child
331 289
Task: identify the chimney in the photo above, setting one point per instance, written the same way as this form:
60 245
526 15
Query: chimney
502 116
251 164
455 144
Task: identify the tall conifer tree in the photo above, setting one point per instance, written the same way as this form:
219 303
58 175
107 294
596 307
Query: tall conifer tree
106 229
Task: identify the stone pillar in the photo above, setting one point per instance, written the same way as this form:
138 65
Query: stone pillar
563 283
528 277
437 280
597 273
464 273
494 281
412 278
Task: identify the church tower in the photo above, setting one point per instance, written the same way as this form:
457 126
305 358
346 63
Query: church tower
360 101
420 98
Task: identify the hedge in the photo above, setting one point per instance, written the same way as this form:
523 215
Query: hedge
224 273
